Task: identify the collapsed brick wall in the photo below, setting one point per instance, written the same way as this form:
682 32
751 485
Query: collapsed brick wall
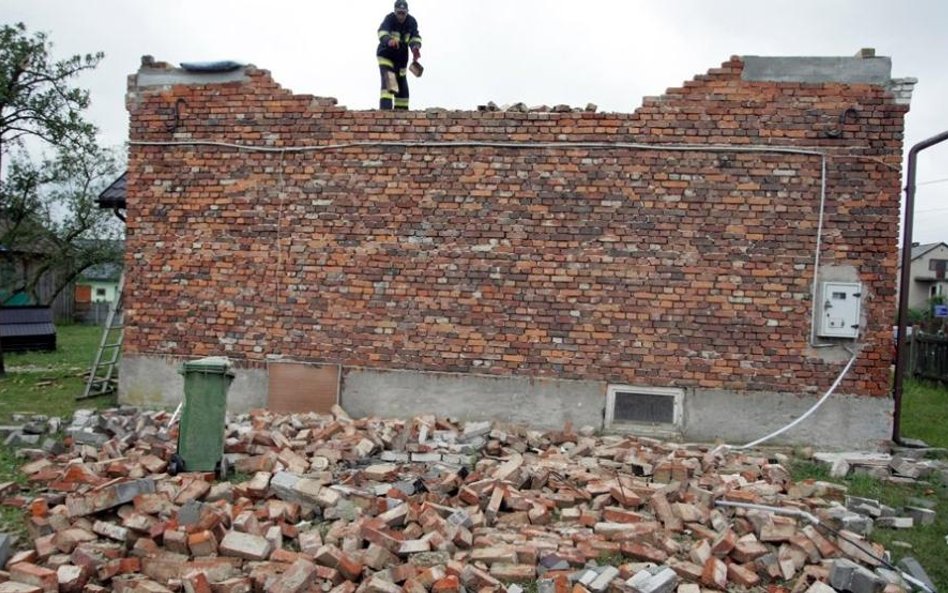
622 264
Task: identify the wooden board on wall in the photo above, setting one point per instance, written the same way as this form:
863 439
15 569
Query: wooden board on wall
299 387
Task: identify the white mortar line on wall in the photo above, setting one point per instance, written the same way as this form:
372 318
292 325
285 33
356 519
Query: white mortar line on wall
571 145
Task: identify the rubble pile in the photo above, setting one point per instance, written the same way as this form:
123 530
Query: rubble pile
903 465
428 505
523 108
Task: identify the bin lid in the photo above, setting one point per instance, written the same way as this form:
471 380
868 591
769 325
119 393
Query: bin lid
210 364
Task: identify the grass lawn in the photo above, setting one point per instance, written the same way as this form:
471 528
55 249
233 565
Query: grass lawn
925 413
44 383
48 382
928 544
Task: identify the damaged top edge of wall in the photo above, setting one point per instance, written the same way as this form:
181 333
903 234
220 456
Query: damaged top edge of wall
864 68
154 73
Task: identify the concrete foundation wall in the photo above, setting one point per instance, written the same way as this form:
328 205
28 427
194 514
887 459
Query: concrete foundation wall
154 382
543 403
843 422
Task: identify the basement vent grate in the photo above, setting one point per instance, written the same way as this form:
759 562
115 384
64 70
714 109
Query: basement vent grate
653 406
644 407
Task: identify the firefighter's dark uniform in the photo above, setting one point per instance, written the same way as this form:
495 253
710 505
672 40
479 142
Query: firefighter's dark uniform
395 59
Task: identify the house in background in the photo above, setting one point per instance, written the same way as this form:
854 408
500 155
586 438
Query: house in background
927 272
99 284
96 289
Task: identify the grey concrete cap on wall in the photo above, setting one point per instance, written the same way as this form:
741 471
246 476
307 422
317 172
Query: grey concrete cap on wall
816 70
148 77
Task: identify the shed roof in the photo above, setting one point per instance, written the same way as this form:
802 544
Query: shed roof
114 195
108 271
27 328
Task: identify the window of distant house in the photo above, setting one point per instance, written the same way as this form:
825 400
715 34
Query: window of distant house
100 292
938 266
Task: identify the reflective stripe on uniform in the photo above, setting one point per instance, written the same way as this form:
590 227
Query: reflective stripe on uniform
403 72
386 94
383 33
386 62
415 40
401 102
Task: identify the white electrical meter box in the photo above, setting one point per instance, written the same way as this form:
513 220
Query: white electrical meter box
839 313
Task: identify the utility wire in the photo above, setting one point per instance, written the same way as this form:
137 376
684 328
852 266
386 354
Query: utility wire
932 181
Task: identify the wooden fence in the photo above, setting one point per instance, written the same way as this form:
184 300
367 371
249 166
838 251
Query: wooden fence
91 313
928 357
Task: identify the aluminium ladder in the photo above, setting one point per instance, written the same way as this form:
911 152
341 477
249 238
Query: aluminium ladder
103 378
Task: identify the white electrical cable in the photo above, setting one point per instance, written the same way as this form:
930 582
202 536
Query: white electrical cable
810 517
816 256
809 412
174 416
917 582
479 144
804 416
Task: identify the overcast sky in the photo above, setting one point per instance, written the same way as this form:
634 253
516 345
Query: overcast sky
541 52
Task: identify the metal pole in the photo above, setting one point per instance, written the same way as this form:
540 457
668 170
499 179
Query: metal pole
904 278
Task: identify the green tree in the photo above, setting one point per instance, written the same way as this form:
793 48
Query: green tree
924 317
47 202
51 215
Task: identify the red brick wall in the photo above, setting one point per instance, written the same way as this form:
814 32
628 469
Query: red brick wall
621 264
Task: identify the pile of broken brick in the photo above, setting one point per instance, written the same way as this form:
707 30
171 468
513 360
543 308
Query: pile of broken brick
328 503
523 108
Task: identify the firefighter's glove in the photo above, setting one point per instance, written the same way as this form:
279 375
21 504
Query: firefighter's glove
392 42
416 52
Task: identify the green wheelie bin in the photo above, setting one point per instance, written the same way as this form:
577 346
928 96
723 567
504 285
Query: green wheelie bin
201 428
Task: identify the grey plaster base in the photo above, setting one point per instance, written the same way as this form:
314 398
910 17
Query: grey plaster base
541 403
842 422
154 382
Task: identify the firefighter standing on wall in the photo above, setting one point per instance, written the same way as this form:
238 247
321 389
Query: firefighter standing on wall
397 34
